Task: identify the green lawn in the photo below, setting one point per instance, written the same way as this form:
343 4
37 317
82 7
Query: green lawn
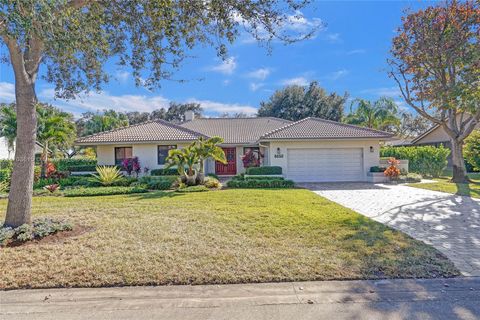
228 236
444 185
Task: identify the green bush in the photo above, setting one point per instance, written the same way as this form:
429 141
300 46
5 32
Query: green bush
102 191
472 150
260 183
81 181
75 163
158 182
213 175
267 170
6 164
410 178
5 174
164 172
425 160
200 188
262 178
377 169
82 168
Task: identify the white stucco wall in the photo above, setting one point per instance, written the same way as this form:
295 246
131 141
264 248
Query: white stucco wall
146 153
370 159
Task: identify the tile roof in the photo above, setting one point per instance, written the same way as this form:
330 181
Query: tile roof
154 130
236 130
315 128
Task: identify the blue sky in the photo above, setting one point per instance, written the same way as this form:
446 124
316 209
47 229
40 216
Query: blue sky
348 55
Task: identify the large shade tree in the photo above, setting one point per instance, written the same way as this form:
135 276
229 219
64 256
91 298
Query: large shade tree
73 39
436 64
296 102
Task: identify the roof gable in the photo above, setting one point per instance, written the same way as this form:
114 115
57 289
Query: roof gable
315 128
154 130
236 130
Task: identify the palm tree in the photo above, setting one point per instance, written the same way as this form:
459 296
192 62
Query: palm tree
55 129
208 148
184 158
381 115
8 124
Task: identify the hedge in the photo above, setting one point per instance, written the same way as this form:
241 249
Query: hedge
260 183
267 170
164 172
81 168
158 182
67 164
5 174
426 160
102 191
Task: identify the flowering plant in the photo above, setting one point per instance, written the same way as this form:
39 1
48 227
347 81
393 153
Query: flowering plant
252 158
131 165
392 171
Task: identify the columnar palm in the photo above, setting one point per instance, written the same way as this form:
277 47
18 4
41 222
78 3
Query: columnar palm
381 114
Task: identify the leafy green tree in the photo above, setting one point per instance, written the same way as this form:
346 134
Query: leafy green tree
297 102
73 39
411 125
176 111
91 123
381 114
472 150
435 60
135 117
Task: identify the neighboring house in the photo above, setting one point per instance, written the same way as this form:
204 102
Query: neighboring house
309 150
435 136
6 154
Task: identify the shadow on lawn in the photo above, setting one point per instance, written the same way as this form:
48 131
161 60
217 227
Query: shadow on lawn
155 195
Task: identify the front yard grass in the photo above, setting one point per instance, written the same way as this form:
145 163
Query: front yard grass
444 185
229 236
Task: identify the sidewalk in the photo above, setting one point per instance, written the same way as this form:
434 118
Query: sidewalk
385 299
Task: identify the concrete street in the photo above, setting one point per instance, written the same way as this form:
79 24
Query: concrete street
457 298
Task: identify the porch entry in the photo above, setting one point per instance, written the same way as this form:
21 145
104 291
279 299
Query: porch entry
231 167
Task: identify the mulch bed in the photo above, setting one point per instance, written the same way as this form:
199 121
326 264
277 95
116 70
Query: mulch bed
58 237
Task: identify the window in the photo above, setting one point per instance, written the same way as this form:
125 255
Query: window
122 153
163 153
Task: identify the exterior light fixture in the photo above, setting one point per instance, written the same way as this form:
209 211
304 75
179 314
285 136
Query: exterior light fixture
278 150
371 149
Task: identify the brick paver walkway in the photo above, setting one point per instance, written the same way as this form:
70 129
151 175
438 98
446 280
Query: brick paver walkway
448 222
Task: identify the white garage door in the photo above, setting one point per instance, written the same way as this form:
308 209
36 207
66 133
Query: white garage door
323 165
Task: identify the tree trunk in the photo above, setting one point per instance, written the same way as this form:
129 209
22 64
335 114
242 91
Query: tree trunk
458 162
21 189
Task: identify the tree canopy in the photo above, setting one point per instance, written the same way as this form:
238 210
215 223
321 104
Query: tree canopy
381 114
435 60
297 102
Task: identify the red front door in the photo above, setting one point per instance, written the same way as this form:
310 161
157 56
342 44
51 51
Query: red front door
231 167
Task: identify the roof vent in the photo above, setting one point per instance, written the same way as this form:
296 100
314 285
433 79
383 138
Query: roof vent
189 115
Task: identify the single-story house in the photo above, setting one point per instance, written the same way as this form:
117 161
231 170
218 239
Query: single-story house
435 136
308 150
7 154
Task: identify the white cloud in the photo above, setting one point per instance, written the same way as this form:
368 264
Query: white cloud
260 74
356 51
226 82
299 23
300 81
7 92
227 66
334 37
255 86
219 107
384 91
338 74
122 76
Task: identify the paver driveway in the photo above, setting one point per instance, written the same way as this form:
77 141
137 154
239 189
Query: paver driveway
448 222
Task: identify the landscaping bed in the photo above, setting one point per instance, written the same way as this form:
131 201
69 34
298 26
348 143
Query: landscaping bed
167 237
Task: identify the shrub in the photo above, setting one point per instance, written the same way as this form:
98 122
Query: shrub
75 164
103 191
82 168
200 188
64 182
6 164
260 183
164 172
5 174
472 150
377 169
107 176
52 187
158 182
4 186
262 178
212 183
266 170
392 171
213 175
39 228
426 160
410 178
